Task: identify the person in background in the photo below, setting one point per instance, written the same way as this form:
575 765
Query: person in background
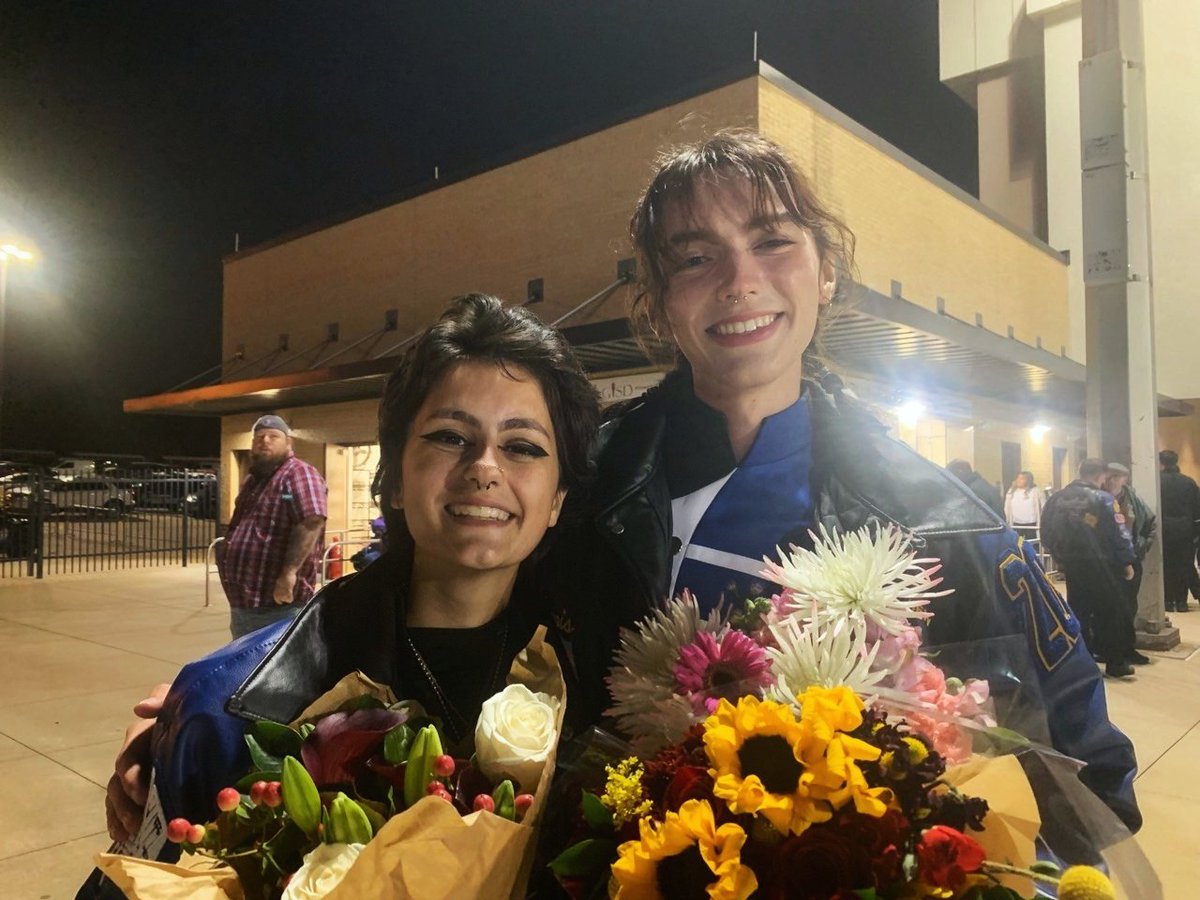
1023 505
1080 527
980 486
269 558
1138 524
1180 526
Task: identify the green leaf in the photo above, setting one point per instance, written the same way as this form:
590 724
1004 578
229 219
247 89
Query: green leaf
396 743
244 784
866 894
585 858
306 729
595 813
263 759
278 740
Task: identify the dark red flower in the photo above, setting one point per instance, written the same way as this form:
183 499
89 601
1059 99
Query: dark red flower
338 748
830 860
689 783
945 857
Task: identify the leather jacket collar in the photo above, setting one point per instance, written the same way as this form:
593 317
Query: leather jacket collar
859 474
348 626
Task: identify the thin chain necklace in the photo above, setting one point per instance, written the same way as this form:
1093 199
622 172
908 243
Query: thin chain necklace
452 714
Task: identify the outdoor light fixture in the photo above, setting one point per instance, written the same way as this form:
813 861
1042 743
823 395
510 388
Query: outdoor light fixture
1037 432
15 252
908 413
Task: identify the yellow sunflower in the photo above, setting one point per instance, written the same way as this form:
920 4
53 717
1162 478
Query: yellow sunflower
682 856
829 713
764 760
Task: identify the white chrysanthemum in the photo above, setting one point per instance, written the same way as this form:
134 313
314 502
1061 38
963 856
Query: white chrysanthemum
646 702
809 655
855 579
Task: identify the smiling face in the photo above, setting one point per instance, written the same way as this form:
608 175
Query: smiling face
742 296
480 471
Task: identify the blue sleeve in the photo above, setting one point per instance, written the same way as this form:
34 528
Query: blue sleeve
1116 542
199 748
1071 684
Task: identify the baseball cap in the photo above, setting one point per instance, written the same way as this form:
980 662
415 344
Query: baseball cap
271 421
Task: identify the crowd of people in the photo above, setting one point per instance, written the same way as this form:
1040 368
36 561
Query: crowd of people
508 505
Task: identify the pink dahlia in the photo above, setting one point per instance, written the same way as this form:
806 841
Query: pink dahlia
709 671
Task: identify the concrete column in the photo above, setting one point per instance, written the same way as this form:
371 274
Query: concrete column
1122 397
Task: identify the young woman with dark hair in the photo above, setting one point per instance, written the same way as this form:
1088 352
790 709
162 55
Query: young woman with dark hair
485 429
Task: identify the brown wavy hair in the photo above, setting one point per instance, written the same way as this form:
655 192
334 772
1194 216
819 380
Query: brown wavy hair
774 179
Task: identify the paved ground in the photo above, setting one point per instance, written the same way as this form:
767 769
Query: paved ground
80 650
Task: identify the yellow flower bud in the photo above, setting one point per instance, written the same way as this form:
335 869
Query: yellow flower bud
1085 883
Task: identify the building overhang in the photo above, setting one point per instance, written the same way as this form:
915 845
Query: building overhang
887 339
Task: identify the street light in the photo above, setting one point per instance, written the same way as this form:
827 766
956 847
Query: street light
7 252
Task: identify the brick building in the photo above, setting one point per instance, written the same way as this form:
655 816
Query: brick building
960 321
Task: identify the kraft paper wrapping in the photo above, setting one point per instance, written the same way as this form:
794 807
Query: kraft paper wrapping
428 852
194 878
1012 822
353 686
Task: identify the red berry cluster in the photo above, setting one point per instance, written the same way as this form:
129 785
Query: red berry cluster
265 793
180 830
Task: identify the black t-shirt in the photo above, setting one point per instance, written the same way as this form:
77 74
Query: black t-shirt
469 665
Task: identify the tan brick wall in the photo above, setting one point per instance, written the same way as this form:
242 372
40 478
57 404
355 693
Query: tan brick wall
560 215
914 232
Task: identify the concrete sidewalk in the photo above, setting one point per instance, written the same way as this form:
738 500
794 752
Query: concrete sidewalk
80 650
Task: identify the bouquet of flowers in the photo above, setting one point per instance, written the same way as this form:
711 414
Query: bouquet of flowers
827 801
357 798
845 617
802 746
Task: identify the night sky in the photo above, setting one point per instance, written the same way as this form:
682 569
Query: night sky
137 138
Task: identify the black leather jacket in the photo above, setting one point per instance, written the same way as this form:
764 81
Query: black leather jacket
616 567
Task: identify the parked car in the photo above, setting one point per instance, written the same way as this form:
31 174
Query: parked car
70 469
78 493
174 489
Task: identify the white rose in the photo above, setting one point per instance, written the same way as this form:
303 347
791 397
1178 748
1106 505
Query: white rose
515 736
323 870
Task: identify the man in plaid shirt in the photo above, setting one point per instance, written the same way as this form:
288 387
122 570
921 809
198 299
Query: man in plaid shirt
268 560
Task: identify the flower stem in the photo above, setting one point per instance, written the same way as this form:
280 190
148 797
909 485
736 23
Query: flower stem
1004 869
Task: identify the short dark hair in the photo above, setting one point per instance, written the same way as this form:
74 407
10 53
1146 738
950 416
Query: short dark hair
1091 467
959 468
772 176
480 328
1168 458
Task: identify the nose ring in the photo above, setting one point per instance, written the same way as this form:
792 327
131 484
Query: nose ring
735 299
486 486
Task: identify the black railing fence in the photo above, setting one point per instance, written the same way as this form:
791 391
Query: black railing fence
76 518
